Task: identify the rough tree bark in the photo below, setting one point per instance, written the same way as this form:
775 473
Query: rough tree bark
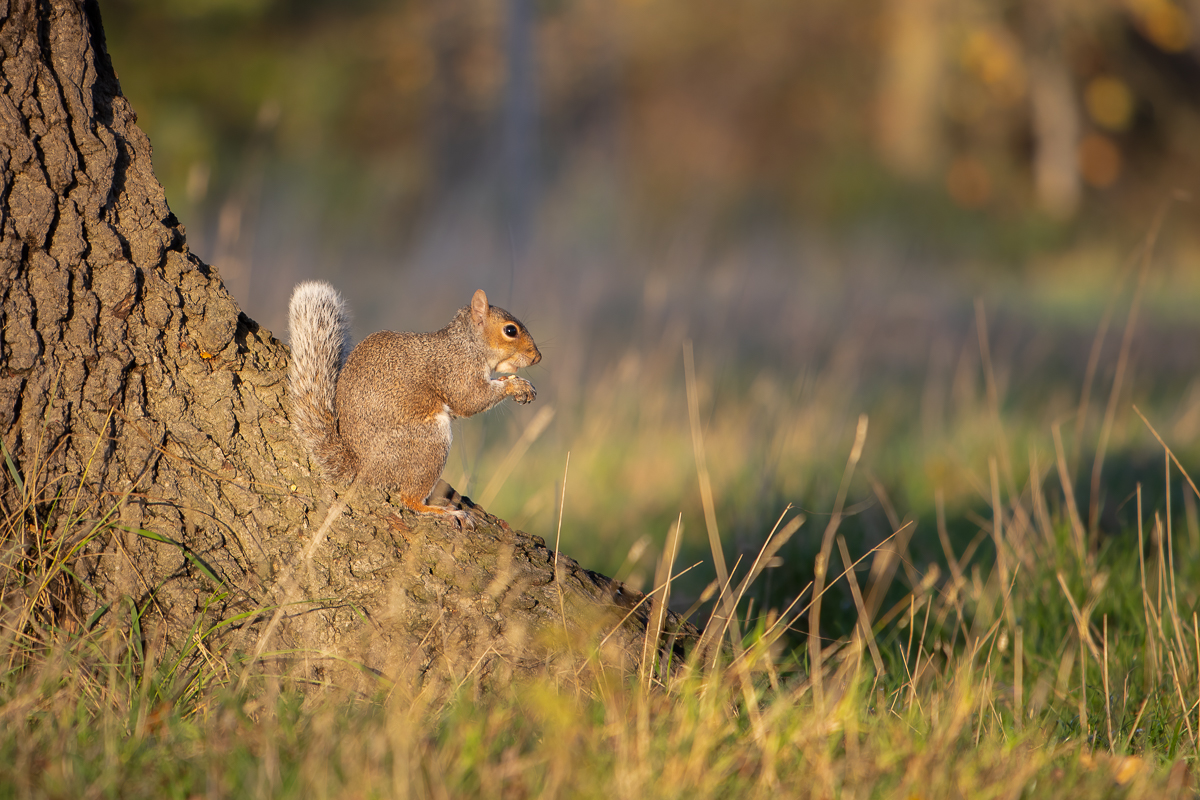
133 389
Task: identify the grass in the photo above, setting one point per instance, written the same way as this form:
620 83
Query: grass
981 694
977 631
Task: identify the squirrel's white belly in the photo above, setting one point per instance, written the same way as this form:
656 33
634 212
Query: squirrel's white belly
443 422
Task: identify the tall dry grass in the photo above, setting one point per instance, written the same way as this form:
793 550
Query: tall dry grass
1057 669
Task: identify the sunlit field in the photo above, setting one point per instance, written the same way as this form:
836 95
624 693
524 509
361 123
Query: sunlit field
928 468
921 456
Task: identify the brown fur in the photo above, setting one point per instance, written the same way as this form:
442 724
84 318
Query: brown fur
388 424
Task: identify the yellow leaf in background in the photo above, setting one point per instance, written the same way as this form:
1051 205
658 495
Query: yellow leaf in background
1109 102
1163 23
994 57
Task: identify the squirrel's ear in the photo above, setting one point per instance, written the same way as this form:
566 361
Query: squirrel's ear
479 306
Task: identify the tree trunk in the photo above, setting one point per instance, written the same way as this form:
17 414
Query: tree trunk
146 438
1055 112
908 113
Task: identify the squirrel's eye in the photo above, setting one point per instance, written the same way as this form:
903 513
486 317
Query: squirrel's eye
510 331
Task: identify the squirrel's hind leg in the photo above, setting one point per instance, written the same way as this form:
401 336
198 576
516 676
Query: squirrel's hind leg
460 515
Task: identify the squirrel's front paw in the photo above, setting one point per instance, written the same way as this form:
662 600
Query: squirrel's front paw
521 390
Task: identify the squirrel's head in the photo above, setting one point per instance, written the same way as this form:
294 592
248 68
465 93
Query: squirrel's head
509 344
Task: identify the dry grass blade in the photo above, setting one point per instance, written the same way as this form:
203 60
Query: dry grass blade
865 631
998 525
1170 452
993 395
885 564
822 564
1110 411
1019 678
1064 477
1147 609
1107 691
1081 618
783 619
645 598
706 492
765 554
1196 637
662 578
1183 704
707 638
562 502
1093 363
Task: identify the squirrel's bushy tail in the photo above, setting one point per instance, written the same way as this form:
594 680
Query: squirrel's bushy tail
319 328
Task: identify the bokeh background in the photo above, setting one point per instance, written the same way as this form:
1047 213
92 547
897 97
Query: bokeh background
931 212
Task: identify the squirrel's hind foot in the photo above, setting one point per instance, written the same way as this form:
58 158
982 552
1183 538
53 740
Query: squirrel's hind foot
444 501
461 516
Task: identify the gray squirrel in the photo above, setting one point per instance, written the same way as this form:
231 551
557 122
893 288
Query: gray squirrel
381 413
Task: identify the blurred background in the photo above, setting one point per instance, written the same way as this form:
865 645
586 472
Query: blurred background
931 212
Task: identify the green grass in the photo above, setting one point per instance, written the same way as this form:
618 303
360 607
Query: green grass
96 716
101 714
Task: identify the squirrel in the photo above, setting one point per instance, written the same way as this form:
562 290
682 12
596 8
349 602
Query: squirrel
380 414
